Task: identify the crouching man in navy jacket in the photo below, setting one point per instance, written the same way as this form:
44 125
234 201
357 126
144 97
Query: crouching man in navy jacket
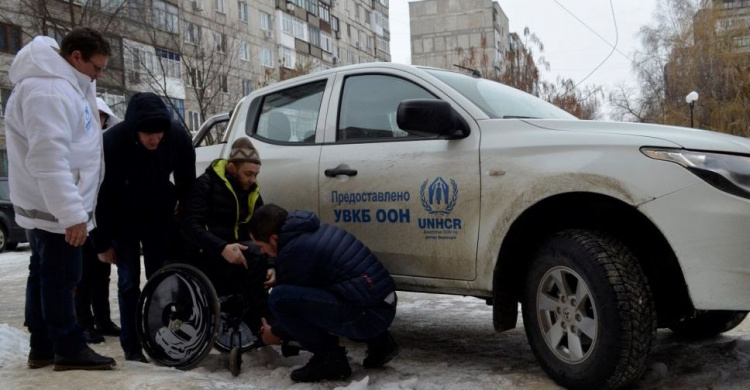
327 284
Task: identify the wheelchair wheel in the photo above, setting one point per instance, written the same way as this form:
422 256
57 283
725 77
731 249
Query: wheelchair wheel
235 361
224 342
178 314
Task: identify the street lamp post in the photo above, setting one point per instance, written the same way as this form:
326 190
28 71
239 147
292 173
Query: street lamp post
691 98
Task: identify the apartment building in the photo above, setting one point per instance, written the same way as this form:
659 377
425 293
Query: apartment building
202 56
472 33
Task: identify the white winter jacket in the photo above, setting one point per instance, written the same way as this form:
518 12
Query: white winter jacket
54 140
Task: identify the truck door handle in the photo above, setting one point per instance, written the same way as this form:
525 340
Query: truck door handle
340 170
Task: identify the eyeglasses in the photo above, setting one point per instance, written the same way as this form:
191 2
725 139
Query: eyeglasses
97 68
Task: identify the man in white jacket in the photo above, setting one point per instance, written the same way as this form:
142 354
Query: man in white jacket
55 167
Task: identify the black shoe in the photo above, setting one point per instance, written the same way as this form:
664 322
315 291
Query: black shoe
93 336
136 356
380 350
109 330
86 359
322 366
39 359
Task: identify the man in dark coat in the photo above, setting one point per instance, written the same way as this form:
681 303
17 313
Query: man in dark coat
215 220
328 283
138 202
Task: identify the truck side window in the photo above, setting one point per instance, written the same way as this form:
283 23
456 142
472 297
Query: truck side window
369 104
291 115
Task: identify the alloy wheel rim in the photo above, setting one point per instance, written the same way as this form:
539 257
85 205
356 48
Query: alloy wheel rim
567 315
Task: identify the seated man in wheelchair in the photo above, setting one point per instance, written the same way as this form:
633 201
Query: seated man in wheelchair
215 216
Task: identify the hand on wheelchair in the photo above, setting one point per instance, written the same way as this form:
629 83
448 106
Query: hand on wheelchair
267 335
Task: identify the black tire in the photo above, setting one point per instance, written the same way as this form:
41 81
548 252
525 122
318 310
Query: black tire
708 323
235 361
3 239
593 282
11 246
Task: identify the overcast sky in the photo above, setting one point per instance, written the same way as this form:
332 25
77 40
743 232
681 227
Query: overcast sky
572 49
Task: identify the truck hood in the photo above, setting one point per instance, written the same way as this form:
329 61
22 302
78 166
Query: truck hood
685 137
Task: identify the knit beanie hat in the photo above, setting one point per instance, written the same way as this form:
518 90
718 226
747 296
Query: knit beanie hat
244 151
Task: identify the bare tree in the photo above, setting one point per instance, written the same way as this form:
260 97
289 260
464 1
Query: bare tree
691 47
523 59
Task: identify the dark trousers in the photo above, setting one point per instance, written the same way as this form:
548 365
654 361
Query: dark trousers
54 271
128 252
316 317
93 290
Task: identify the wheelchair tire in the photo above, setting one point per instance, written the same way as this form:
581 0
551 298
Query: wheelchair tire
178 315
235 361
224 343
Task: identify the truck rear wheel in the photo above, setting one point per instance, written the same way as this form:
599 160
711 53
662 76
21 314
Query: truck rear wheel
709 323
588 311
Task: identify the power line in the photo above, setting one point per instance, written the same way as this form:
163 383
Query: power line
614 48
596 33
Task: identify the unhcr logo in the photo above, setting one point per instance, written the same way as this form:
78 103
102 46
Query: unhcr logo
438 197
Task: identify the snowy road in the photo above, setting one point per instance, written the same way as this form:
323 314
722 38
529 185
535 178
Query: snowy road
447 342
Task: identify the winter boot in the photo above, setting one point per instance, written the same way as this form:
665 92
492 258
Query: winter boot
380 350
324 365
39 359
109 329
86 359
93 336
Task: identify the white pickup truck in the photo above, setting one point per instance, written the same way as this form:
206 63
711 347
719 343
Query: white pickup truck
602 231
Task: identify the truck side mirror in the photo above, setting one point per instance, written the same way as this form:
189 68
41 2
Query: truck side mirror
430 117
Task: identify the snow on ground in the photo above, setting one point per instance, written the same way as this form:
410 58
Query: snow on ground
447 342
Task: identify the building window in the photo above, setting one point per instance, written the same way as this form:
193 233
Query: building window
334 23
370 42
326 42
287 57
266 22
195 79
314 36
176 108
4 96
244 51
244 15
10 38
384 45
221 5
325 13
294 27
367 16
111 5
165 16
312 6
266 57
192 33
194 120
54 32
247 86
220 42
170 63
224 84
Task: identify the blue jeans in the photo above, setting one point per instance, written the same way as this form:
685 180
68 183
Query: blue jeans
316 317
128 252
54 271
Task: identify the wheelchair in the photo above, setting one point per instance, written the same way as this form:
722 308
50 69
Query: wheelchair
180 318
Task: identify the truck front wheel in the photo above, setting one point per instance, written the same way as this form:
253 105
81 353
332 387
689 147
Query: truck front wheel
588 311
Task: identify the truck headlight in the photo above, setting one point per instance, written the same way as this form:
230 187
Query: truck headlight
727 172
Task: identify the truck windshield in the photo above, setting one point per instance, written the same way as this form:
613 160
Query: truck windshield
497 100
